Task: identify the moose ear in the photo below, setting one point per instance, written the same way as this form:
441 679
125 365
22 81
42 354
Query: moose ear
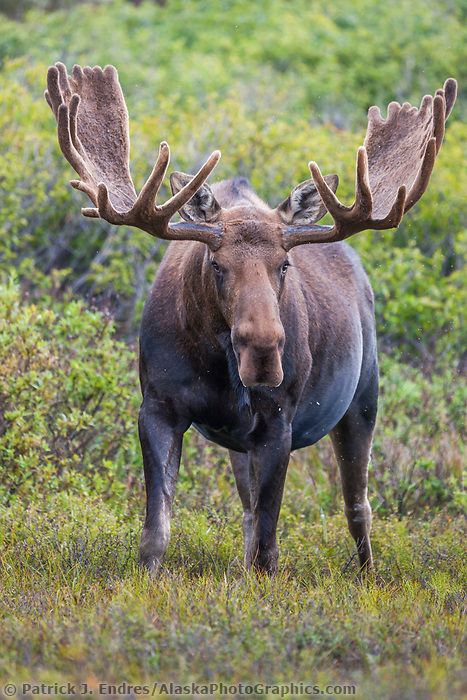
304 205
203 207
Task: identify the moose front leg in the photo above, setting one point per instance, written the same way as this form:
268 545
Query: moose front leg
161 436
268 467
239 461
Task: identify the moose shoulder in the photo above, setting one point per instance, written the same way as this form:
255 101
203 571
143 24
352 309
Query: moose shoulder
263 343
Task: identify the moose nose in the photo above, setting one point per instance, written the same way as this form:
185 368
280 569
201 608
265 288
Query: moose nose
256 369
259 357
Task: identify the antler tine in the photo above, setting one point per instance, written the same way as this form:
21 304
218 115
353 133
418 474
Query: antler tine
106 209
397 158
450 94
73 117
439 118
424 174
90 212
87 189
53 93
363 197
394 217
333 205
63 81
66 142
147 197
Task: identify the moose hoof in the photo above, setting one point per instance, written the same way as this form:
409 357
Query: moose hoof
265 561
151 552
151 564
365 556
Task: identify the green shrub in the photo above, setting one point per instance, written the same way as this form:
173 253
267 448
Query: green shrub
333 60
67 392
418 452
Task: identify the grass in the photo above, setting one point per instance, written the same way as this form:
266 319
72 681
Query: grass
75 607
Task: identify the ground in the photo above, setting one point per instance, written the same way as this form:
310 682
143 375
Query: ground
75 606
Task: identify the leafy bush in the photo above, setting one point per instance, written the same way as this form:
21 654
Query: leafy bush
336 59
67 391
418 452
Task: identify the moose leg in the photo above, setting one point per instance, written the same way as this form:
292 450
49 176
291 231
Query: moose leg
268 467
239 461
161 444
351 439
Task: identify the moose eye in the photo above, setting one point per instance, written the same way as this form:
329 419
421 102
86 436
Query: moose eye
216 267
285 267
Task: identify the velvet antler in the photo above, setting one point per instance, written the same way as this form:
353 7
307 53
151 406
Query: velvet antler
393 170
92 121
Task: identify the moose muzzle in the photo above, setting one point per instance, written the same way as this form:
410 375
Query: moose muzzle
259 360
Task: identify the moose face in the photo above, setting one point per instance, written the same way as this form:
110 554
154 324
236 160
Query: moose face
249 269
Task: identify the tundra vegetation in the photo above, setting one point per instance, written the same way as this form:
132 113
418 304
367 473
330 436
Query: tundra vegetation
273 85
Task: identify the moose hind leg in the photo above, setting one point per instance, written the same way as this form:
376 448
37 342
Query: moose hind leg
351 439
161 438
239 462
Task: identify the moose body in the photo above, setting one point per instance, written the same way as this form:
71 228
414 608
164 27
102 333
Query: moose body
259 329
189 371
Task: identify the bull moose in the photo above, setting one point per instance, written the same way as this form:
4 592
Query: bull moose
262 341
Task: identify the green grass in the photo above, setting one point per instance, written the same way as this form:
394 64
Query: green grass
75 606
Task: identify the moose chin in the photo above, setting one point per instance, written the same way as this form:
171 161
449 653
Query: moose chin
259 329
